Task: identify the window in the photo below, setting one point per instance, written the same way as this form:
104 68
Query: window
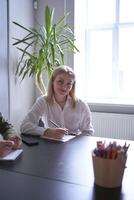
104 31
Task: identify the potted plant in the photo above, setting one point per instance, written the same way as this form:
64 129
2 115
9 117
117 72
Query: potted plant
4 125
50 41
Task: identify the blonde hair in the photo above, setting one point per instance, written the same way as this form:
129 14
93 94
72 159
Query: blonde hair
60 70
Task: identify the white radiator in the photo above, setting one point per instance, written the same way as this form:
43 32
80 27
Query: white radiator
119 126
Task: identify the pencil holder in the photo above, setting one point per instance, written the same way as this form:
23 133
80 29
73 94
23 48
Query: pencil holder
109 172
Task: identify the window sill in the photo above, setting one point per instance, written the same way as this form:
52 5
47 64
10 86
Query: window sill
111 108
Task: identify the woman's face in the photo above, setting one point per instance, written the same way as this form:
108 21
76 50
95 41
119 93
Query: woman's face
63 84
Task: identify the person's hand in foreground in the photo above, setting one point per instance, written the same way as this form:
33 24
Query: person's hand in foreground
16 139
5 147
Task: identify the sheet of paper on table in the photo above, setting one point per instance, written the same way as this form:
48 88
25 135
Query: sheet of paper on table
64 139
13 155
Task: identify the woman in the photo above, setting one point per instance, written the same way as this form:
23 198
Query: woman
9 138
60 111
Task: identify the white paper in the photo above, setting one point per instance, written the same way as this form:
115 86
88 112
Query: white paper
64 139
13 155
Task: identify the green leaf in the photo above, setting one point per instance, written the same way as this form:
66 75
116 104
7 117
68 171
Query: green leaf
62 20
48 19
22 27
24 40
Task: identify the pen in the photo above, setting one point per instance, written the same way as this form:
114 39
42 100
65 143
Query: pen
56 125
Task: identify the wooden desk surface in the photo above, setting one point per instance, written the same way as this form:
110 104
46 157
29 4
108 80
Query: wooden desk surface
69 163
17 186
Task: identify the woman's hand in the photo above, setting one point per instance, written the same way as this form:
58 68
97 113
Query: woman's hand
5 147
16 139
56 133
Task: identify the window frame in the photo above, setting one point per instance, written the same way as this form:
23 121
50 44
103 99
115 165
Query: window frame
114 107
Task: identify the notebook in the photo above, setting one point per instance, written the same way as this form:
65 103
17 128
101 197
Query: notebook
13 155
64 139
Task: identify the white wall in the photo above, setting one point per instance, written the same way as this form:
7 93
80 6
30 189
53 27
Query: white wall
22 94
4 107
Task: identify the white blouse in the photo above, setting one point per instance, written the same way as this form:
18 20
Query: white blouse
78 118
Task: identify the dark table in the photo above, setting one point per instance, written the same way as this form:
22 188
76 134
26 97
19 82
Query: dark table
62 171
